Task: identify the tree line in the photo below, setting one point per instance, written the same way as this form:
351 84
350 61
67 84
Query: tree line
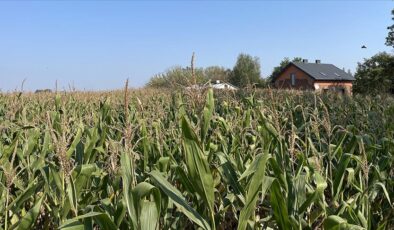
246 71
375 75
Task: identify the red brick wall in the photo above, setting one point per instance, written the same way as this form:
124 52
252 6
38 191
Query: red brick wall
332 84
303 81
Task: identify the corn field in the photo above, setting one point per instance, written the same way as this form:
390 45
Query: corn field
148 159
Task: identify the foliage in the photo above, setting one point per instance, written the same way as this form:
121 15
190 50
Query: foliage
390 35
178 76
217 73
156 160
246 71
375 75
175 77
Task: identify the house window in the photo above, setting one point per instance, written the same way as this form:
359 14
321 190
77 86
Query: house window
293 79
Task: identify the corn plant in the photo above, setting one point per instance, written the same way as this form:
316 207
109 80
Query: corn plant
148 159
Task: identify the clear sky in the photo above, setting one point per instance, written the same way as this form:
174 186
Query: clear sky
97 45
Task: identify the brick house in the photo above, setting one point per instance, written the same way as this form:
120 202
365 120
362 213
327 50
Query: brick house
314 76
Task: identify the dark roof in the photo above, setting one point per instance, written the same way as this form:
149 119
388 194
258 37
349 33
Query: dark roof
322 72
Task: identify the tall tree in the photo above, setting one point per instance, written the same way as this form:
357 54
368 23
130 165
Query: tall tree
375 75
177 77
246 71
214 73
390 36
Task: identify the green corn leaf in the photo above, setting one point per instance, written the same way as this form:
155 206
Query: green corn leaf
82 173
127 178
29 219
75 225
56 178
179 201
120 212
380 184
149 215
102 219
229 174
163 163
309 200
278 202
207 113
182 177
340 174
198 167
253 189
72 196
31 143
75 142
337 223
141 191
16 204
252 167
145 143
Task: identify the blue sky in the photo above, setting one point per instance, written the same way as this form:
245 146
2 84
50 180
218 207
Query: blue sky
97 45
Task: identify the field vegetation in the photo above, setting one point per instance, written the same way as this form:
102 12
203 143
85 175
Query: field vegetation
155 159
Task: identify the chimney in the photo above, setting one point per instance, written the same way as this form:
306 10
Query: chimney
318 61
305 60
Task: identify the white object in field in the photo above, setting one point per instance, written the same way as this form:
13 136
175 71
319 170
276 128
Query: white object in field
316 86
224 86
